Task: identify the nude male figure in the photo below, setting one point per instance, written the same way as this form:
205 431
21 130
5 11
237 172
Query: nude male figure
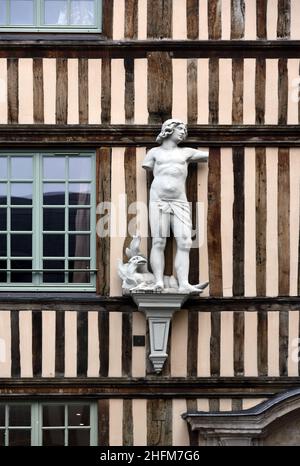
168 207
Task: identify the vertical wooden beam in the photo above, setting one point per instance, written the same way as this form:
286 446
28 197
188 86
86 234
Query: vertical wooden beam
238 90
237 404
103 423
192 19
107 18
59 343
82 343
159 422
192 86
237 19
103 330
159 86
103 195
105 90
261 18
37 343
214 223
127 344
83 90
262 343
261 219
213 91
214 19
284 19
283 342
12 90
238 342
214 404
131 193
283 90
159 19
192 185
284 221
61 91
238 159
191 405
215 343
260 90
192 349
127 423
38 91
131 19
15 344
129 90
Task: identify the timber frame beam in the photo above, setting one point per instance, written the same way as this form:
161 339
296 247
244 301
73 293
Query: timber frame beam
22 135
26 46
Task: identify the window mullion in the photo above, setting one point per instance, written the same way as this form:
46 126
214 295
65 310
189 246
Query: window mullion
37 207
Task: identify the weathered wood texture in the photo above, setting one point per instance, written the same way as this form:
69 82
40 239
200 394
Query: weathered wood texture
215 344
237 19
15 344
284 221
37 343
129 90
213 102
214 223
131 19
192 96
192 15
107 21
159 422
238 90
131 194
283 342
127 344
238 342
61 91
284 19
12 90
192 186
82 344
127 423
261 220
214 19
159 87
83 90
262 343
159 19
192 344
103 181
105 91
103 330
261 18
59 344
103 423
238 222
260 91
38 91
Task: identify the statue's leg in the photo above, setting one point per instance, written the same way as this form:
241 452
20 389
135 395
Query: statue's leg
182 234
159 223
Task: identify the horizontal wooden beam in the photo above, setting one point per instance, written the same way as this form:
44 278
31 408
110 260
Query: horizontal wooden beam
27 45
206 387
91 301
14 135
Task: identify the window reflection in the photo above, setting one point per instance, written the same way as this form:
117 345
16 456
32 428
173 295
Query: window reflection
21 245
21 219
53 437
19 437
3 194
54 193
53 415
21 12
80 168
21 168
3 168
79 415
53 276
21 193
54 219
82 12
54 245
20 415
79 193
79 437
56 12
3 247
21 276
79 219
3 221
54 168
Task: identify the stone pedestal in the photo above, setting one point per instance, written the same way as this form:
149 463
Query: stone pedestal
159 309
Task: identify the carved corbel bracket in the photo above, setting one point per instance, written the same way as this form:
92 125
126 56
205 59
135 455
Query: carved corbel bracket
159 309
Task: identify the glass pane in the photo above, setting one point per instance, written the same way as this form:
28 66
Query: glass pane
21 193
3 193
21 277
79 245
54 219
54 245
79 437
21 168
56 12
82 12
3 19
3 168
80 168
19 438
79 193
3 279
54 277
79 277
2 415
21 12
3 219
78 415
21 245
19 415
54 193
79 219
3 241
2 438
53 415
53 437
54 168
21 219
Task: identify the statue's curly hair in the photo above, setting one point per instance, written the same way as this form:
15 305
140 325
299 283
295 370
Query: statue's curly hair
168 128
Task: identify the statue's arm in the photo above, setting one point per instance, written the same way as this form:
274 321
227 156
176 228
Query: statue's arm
196 155
149 160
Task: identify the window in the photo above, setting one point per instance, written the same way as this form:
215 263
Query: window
48 424
47 221
50 15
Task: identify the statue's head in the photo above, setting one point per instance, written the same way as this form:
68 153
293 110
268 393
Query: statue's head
172 129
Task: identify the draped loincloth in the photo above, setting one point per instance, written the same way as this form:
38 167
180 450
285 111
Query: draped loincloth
181 209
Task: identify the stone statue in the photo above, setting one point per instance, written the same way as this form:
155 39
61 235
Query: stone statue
168 209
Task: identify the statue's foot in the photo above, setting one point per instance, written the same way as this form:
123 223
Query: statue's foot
188 288
159 286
